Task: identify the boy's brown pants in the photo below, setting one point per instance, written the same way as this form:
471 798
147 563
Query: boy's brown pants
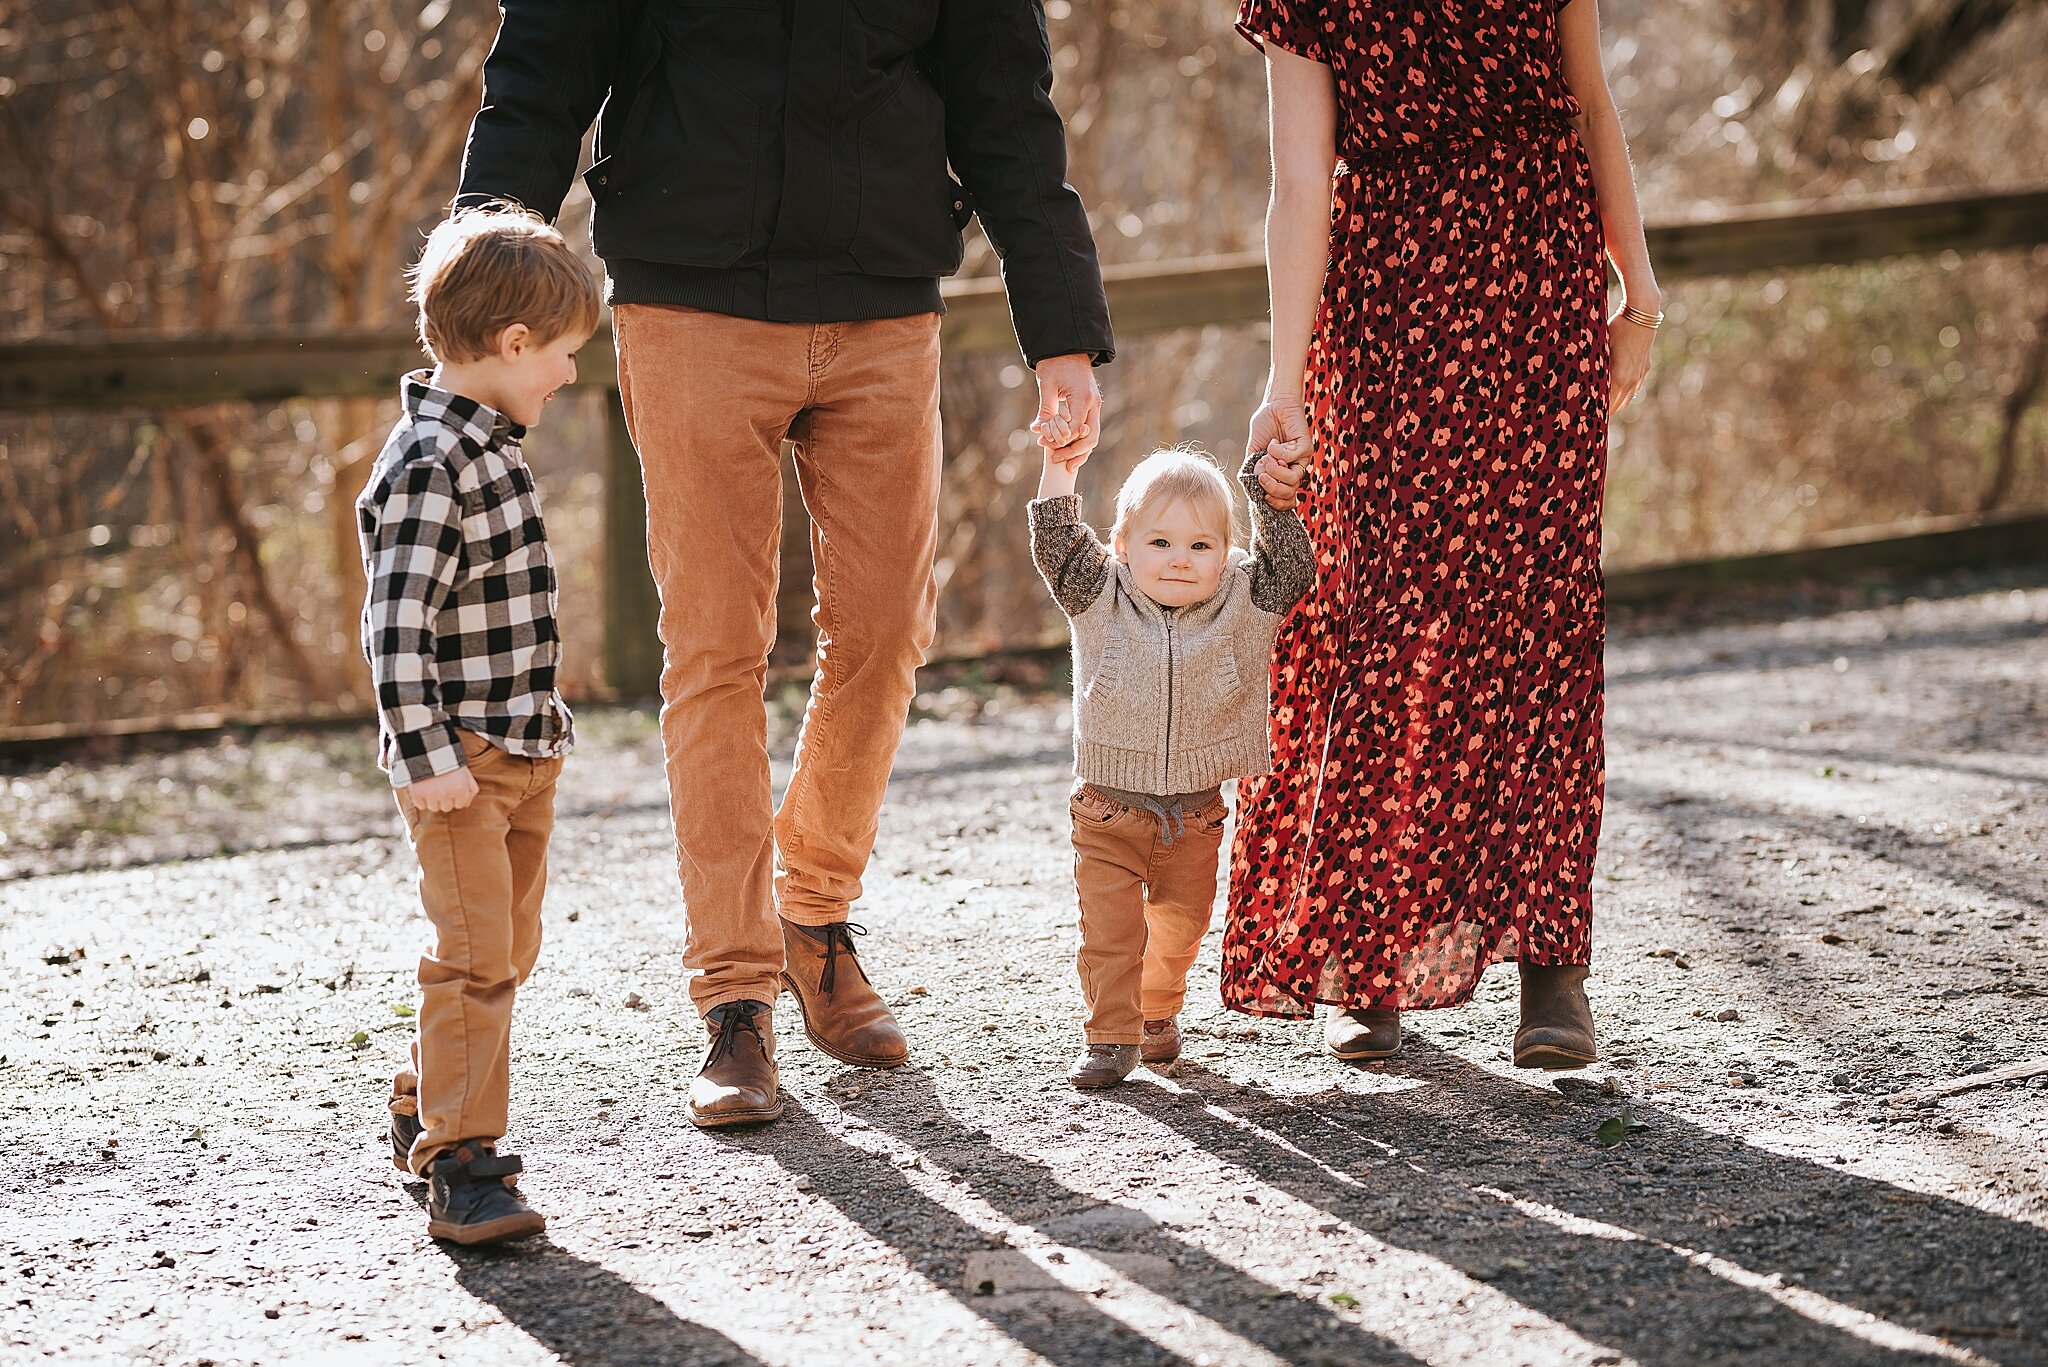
710 400
482 872
1145 906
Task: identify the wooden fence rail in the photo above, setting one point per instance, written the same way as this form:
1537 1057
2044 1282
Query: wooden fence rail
149 371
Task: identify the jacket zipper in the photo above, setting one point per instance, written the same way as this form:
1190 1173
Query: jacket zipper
1166 751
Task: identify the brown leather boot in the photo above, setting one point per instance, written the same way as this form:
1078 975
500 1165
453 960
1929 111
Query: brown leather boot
1357 1035
1103 1065
1557 1022
1162 1041
843 1014
738 1084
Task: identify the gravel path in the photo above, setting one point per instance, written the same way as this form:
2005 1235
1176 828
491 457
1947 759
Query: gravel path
1821 884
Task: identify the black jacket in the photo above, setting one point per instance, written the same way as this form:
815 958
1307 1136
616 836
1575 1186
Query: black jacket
788 159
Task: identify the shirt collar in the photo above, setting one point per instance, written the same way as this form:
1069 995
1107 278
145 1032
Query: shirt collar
481 423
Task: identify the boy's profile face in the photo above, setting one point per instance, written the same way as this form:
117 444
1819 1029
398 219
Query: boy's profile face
526 371
1176 555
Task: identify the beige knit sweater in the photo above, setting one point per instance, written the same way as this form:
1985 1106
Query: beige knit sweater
1171 700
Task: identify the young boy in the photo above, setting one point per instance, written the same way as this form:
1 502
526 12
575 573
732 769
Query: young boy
460 629
1173 630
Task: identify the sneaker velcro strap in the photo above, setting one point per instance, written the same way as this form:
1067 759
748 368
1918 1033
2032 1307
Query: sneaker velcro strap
495 1165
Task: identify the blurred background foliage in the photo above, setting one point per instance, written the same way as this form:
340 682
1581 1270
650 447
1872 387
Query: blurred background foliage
180 165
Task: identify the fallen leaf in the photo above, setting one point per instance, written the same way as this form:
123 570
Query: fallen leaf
1616 1128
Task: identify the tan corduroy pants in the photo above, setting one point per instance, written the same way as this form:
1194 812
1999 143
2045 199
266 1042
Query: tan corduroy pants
709 400
483 870
1145 905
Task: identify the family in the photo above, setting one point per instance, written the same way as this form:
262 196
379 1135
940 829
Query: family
1402 673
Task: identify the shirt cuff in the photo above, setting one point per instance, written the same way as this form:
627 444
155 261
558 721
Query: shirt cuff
425 754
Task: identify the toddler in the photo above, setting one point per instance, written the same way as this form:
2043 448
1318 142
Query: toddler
460 629
1173 630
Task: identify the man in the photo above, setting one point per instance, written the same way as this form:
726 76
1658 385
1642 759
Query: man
775 211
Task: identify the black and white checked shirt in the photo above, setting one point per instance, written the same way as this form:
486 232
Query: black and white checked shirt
459 622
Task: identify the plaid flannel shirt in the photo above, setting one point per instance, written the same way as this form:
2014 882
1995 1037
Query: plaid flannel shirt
459 621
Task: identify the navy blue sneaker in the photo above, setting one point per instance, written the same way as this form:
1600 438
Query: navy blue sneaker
471 1199
405 1128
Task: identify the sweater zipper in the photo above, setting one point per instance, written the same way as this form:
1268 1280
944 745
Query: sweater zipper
1166 751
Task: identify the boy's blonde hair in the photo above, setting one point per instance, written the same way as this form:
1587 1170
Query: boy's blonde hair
1177 474
486 268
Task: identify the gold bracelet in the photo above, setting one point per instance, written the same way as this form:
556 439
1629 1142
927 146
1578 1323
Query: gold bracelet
1652 321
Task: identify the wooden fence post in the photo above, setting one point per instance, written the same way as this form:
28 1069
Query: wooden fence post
632 651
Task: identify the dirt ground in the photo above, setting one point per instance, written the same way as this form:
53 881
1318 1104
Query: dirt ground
1821 888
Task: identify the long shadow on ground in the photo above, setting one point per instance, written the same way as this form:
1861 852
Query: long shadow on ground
1681 1247
583 1312
1063 1329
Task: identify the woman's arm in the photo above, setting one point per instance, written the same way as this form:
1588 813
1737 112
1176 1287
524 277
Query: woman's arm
1303 118
1614 185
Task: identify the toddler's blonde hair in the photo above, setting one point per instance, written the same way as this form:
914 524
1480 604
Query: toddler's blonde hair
486 268
1177 474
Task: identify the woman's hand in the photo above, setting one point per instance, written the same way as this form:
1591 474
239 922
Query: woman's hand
1279 432
1628 361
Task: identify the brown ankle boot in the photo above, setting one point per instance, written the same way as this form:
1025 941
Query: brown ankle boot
738 1084
1103 1065
1162 1041
1557 1022
1362 1035
843 1014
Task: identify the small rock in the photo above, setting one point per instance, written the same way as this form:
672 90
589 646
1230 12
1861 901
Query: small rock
272 1313
1832 939
634 1002
1945 1127
1680 961
1728 1014
1843 1081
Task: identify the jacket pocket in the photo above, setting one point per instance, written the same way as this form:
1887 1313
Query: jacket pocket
677 183
911 211
1102 682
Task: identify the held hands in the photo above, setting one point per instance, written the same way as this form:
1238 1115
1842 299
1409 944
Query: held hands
449 792
1069 420
1280 430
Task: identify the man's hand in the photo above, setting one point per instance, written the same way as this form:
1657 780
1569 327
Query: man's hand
1069 417
449 792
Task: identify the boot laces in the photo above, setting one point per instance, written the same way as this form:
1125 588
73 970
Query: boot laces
732 1019
839 940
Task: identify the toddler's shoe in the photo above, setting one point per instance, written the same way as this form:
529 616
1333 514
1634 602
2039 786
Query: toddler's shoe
471 1199
1162 1041
1103 1065
405 1127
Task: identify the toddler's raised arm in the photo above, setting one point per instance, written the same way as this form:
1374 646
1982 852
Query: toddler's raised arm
1074 564
1282 565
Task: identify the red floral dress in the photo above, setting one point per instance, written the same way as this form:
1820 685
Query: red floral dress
1438 768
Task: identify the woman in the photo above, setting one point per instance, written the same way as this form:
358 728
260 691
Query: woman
1442 337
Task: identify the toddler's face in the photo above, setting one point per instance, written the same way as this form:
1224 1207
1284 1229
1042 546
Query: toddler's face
1175 556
